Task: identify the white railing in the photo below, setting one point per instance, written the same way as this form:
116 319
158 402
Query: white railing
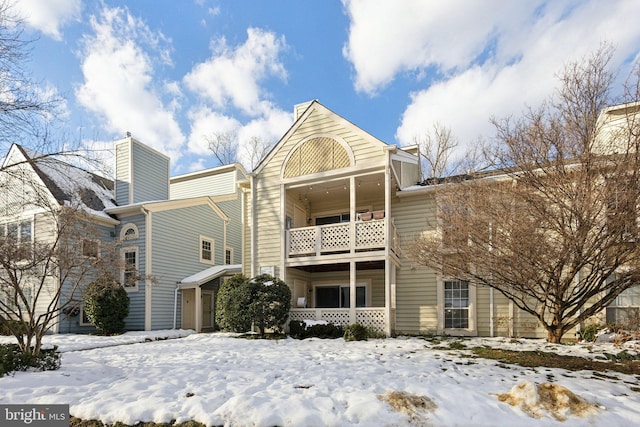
329 238
367 316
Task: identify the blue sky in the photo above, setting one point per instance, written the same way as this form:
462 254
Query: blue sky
171 72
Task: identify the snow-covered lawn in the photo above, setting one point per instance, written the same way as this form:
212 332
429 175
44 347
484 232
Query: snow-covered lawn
218 379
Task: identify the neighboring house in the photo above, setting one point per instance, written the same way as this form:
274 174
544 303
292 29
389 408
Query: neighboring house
329 210
33 190
173 252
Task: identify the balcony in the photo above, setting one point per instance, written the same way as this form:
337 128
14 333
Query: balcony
344 237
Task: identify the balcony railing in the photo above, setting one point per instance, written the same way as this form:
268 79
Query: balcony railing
341 237
368 316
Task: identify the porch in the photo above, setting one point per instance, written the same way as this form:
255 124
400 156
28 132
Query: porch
368 316
344 237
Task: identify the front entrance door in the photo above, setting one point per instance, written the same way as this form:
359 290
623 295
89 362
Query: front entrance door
207 310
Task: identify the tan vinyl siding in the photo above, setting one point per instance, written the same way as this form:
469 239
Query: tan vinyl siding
247 228
268 227
416 287
321 122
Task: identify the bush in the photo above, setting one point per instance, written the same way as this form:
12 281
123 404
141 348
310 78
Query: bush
13 359
234 298
270 304
355 332
106 305
263 301
590 333
299 330
9 327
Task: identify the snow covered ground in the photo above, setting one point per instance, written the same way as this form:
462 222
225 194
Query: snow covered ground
218 379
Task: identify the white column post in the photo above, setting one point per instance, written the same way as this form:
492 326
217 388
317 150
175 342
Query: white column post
352 214
198 308
352 292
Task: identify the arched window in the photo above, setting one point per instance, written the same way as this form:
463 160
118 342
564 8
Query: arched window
129 232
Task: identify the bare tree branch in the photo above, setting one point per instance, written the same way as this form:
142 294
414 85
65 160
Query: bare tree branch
555 227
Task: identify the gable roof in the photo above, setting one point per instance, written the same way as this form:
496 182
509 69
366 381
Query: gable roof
69 184
313 105
209 274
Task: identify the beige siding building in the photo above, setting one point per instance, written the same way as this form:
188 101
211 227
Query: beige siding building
330 211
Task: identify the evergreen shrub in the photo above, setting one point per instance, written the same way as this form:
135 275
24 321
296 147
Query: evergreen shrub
106 305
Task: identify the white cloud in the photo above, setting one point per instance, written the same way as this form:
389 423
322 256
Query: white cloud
269 127
233 79
117 62
387 38
234 75
204 123
490 58
48 16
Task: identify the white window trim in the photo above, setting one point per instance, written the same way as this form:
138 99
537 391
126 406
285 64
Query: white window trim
212 261
472 330
127 227
81 316
364 282
137 267
230 249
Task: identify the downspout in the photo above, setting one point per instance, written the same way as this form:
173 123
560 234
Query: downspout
491 330
253 225
175 305
147 270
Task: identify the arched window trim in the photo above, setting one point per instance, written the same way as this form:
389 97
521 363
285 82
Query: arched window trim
339 140
126 234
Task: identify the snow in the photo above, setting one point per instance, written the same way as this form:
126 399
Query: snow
219 379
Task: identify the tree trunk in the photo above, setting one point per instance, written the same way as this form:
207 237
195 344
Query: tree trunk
554 335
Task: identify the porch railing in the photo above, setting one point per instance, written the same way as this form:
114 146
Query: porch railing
366 316
332 238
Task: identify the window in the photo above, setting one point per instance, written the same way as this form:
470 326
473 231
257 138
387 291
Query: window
22 235
84 320
228 256
339 296
207 250
129 274
622 208
129 232
454 223
456 304
625 308
332 219
90 248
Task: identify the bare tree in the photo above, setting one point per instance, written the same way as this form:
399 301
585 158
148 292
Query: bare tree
227 149
51 246
554 228
438 150
224 146
24 105
256 149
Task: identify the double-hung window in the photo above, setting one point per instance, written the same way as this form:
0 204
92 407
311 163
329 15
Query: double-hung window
456 304
207 250
129 274
21 235
625 308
